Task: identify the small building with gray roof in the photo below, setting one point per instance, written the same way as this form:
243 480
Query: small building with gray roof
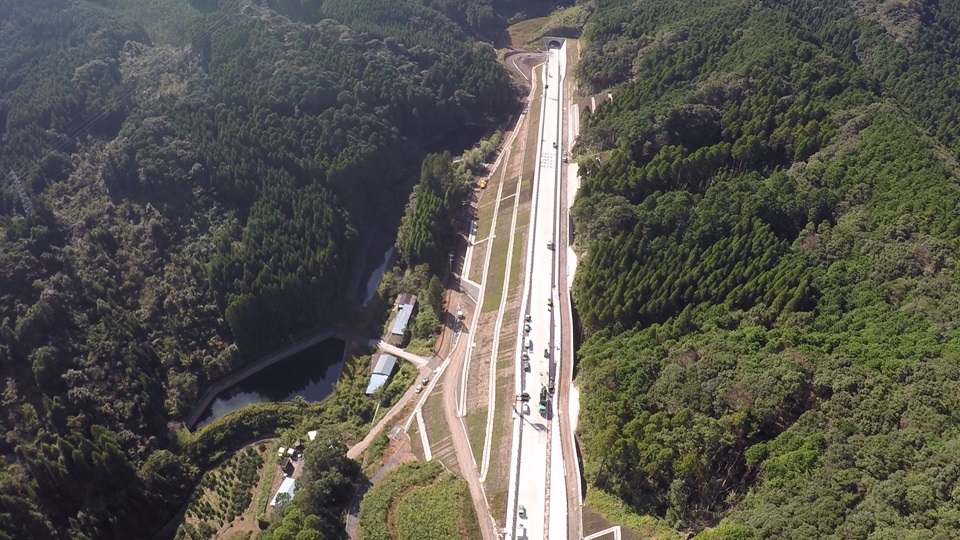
383 366
406 309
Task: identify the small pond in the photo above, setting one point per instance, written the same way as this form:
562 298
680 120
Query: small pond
374 280
310 373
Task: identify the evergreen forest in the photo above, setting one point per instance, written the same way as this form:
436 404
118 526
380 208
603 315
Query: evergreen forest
187 185
769 290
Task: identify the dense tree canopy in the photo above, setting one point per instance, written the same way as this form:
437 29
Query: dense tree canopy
433 215
194 205
768 224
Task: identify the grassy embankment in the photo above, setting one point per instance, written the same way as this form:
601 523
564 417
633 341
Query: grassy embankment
526 34
602 510
522 33
493 288
394 507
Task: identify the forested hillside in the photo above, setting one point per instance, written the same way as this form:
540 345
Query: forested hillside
194 204
769 288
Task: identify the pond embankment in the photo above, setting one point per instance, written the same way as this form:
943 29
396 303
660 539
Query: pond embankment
236 377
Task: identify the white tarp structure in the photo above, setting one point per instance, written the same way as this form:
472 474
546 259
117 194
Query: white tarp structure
285 487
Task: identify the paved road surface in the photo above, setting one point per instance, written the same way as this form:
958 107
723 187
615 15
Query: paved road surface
418 361
537 483
567 266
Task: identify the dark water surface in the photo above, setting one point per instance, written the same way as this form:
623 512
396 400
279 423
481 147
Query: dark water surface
374 280
310 373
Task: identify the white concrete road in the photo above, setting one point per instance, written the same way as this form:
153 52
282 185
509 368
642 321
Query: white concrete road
537 477
418 361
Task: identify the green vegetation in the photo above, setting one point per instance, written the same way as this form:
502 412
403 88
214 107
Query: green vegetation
476 424
378 500
498 481
768 285
347 413
430 227
613 510
405 493
322 493
428 234
373 456
533 131
566 22
201 175
222 494
498 246
431 224
347 410
446 498
524 32
217 439
266 483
